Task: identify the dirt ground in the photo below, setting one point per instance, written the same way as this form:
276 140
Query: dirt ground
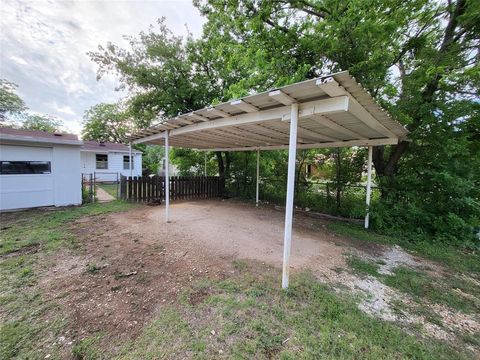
132 263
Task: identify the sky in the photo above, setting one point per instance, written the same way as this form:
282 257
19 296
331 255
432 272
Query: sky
44 45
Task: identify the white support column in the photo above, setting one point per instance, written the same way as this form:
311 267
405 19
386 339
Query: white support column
369 185
130 158
292 153
258 178
167 179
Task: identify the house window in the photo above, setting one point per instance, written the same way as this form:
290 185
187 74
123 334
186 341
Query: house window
126 162
25 167
101 161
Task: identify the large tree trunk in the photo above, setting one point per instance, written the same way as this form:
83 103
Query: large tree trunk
223 168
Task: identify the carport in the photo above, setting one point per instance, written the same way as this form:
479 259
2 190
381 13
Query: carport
326 112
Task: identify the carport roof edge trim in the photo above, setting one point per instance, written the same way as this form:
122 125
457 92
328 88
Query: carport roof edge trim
334 109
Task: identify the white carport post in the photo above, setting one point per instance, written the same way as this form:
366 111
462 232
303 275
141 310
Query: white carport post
167 179
130 158
258 178
369 185
292 154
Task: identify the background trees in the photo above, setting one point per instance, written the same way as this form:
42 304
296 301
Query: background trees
13 112
106 122
419 59
10 102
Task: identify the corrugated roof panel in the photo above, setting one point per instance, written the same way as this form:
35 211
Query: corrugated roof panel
229 133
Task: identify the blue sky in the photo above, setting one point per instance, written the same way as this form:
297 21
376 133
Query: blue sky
44 45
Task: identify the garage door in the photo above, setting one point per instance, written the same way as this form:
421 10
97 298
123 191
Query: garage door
26 178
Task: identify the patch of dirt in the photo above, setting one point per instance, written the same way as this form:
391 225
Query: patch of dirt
25 250
130 264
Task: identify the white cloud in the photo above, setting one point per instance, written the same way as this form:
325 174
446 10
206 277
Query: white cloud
44 45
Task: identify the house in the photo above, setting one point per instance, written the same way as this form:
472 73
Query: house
107 161
38 168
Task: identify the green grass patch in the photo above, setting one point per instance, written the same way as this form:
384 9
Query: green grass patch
111 189
250 316
439 291
86 349
32 229
362 266
28 321
456 259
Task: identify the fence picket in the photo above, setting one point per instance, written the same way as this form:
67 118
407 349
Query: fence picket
148 189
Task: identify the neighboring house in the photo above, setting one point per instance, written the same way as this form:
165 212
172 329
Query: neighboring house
107 161
39 169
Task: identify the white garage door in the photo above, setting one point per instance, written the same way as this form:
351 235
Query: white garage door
26 178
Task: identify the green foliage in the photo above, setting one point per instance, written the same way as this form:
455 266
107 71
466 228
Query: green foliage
152 157
106 122
41 122
10 102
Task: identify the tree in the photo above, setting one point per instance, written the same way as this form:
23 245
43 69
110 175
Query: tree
432 46
106 122
10 102
419 59
152 157
41 122
168 75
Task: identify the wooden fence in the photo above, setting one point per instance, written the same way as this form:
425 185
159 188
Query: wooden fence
152 189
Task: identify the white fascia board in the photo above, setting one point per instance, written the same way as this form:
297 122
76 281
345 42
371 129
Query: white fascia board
325 106
153 137
31 139
347 143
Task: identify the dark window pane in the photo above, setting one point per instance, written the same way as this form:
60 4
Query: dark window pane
126 162
101 161
24 167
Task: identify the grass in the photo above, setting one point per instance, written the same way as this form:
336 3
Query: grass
436 290
422 286
31 229
249 316
110 188
246 315
29 322
362 266
454 258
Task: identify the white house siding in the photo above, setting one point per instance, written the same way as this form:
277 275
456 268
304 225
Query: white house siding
115 165
60 187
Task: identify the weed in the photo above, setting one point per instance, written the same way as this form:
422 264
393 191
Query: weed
253 317
239 265
362 266
92 268
86 348
455 258
440 291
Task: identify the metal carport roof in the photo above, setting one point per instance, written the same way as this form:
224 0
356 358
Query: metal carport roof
334 111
